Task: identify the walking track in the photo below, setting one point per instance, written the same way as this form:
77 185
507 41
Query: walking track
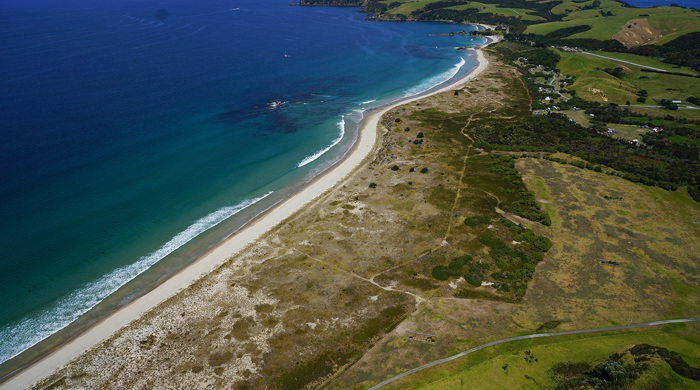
529 336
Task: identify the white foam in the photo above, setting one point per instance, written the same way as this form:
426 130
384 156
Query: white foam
436 80
16 338
321 152
369 101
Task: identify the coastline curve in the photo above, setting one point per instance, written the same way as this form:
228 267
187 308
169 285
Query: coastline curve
233 244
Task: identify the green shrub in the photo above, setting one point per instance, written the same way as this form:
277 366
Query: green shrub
420 135
424 170
476 220
441 272
372 185
458 262
541 243
474 278
395 168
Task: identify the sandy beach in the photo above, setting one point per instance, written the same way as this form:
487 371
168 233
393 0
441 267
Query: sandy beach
249 233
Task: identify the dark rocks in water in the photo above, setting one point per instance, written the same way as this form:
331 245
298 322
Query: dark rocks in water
275 104
451 34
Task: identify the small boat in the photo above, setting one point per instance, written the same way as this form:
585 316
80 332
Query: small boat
286 55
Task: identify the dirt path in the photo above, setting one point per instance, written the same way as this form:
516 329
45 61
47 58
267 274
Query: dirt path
418 298
461 175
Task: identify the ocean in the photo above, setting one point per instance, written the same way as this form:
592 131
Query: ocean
136 134
653 3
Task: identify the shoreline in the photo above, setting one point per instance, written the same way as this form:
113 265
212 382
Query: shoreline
237 241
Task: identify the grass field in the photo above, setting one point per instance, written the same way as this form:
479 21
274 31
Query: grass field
647 61
580 116
522 13
521 374
686 114
627 132
668 20
408 6
592 83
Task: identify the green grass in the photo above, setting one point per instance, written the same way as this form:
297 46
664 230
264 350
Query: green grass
678 139
408 6
580 116
647 61
497 10
669 20
685 114
486 369
627 132
592 83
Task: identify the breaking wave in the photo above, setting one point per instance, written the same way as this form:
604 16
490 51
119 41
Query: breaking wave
20 336
435 80
321 152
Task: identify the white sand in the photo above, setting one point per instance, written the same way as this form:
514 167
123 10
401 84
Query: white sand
230 247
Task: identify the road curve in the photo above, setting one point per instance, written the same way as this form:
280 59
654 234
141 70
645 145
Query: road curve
529 336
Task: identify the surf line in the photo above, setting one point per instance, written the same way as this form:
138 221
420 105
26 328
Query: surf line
315 156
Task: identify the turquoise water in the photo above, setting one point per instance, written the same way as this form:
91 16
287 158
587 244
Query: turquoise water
138 132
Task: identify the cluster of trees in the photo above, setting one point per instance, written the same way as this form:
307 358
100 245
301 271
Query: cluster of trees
669 104
477 220
555 40
661 165
540 56
683 51
473 275
616 72
619 373
678 141
523 202
514 264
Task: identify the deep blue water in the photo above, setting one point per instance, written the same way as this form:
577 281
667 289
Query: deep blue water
134 129
651 3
